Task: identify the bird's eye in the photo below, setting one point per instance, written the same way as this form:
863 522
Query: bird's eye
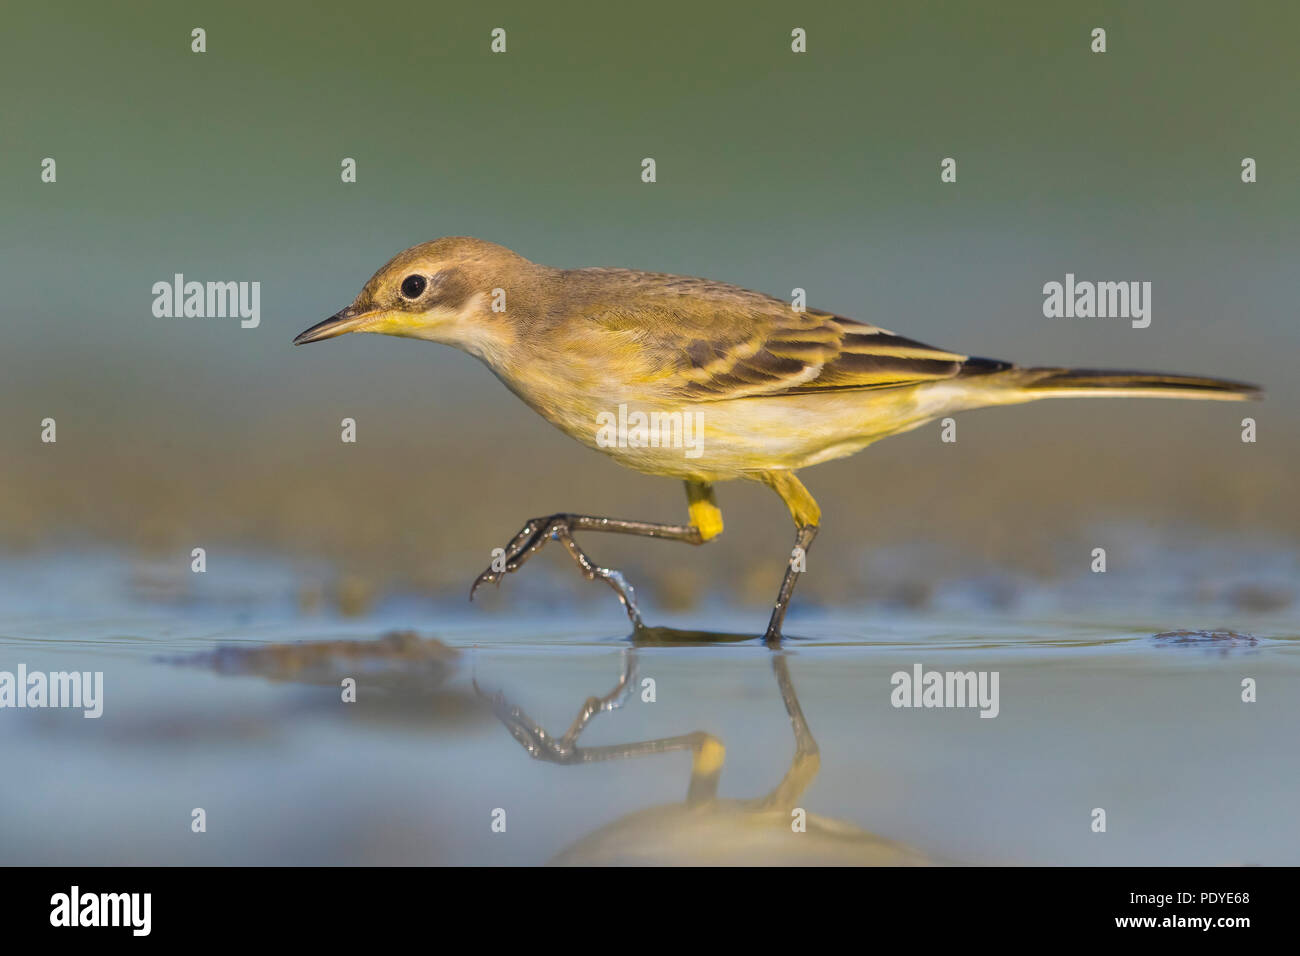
413 286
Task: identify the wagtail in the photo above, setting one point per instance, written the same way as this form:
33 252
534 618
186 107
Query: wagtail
695 379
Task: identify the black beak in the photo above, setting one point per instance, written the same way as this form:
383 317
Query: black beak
337 324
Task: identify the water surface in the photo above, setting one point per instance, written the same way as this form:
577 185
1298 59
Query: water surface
230 701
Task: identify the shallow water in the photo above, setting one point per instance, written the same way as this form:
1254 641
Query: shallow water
229 699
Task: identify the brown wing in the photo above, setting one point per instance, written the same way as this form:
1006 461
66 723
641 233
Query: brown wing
813 352
709 341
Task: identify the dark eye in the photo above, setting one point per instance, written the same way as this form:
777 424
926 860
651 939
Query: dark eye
413 286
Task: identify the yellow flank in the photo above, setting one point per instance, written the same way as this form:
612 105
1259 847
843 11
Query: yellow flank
704 510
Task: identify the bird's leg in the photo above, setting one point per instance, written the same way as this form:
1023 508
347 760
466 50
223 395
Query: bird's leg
802 542
707 750
596 705
706 523
807 756
560 527
806 515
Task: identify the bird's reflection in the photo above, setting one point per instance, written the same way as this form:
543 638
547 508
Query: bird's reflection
407 678
705 829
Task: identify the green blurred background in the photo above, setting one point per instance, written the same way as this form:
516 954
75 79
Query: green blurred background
775 170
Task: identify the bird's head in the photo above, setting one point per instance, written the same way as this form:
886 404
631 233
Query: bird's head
442 291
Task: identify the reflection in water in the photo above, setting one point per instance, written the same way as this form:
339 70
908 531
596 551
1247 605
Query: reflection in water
409 773
412 674
1216 640
401 677
396 657
705 829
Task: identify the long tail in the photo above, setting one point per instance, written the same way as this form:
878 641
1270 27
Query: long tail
1034 383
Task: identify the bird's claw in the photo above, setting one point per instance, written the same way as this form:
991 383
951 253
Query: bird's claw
487 576
530 539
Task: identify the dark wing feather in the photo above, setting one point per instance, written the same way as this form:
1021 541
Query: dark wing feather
709 341
811 352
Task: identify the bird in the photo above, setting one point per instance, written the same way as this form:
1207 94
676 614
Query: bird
696 379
